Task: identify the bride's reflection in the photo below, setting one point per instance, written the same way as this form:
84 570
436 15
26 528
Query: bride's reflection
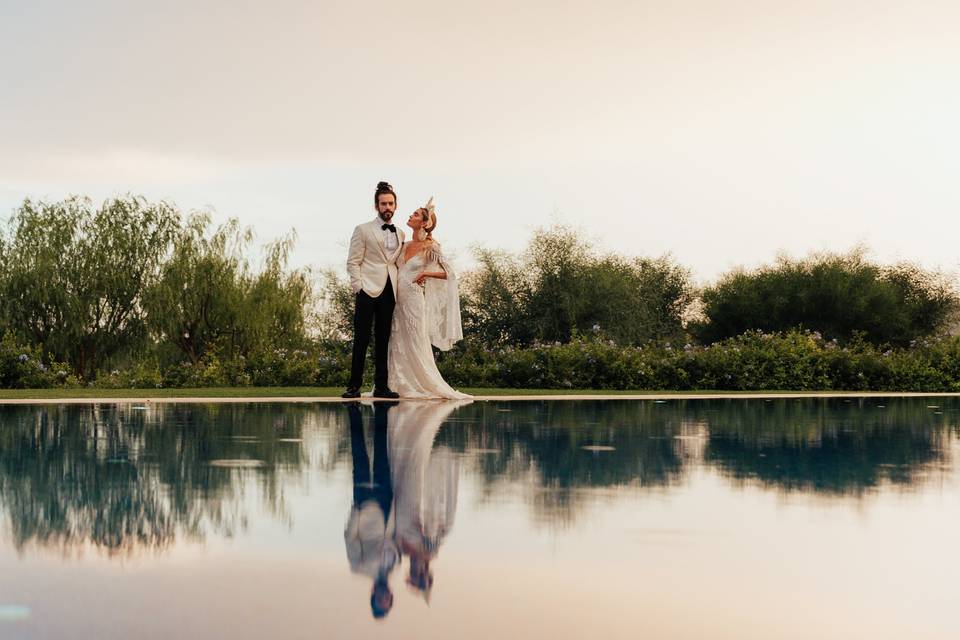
425 486
408 509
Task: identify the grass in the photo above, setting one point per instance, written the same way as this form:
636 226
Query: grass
319 392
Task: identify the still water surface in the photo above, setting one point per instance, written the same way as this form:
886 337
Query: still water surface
681 519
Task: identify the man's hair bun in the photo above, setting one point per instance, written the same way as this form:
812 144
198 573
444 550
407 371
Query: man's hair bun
382 188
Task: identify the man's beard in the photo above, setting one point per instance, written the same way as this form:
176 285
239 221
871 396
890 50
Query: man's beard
386 216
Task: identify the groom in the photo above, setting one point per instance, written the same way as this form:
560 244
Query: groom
371 265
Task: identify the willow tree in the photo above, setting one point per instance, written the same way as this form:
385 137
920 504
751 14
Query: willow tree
73 275
280 301
197 301
209 300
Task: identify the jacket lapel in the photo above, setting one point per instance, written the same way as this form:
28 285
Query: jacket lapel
378 234
393 258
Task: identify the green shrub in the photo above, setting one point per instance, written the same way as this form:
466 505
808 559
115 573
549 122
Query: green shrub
283 368
208 372
333 363
560 286
142 375
839 295
754 361
23 367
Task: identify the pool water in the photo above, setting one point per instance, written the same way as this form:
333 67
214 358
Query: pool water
564 519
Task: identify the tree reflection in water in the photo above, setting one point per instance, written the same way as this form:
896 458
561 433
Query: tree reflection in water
541 447
122 478
830 447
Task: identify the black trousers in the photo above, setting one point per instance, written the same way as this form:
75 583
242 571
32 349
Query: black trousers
379 312
379 487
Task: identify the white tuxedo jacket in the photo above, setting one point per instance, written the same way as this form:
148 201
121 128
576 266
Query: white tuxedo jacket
368 261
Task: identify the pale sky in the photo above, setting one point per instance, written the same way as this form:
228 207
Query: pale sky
722 132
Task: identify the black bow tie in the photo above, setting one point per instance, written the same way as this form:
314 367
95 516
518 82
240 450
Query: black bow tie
389 226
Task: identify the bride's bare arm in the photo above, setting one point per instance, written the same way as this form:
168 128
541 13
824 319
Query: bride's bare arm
440 275
434 256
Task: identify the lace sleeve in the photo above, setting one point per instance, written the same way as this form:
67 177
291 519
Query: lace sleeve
434 255
442 303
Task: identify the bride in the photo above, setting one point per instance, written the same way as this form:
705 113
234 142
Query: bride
427 312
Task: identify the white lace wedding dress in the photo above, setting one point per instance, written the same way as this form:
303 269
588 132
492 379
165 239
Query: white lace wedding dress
424 315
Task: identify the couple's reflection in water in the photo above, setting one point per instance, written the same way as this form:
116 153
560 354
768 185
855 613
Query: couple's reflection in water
125 480
404 498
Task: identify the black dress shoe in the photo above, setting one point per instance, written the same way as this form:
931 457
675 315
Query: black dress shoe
351 392
385 393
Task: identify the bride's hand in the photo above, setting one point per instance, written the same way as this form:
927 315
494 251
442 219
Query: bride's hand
422 278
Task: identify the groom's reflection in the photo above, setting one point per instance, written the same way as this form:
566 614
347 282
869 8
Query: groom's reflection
370 547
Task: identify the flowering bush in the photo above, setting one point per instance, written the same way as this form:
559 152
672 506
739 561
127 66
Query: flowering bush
324 364
754 361
142 375
23 367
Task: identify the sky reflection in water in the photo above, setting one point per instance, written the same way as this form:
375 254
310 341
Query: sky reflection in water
724 518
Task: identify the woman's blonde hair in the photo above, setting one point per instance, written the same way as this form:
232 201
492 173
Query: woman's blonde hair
429 218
